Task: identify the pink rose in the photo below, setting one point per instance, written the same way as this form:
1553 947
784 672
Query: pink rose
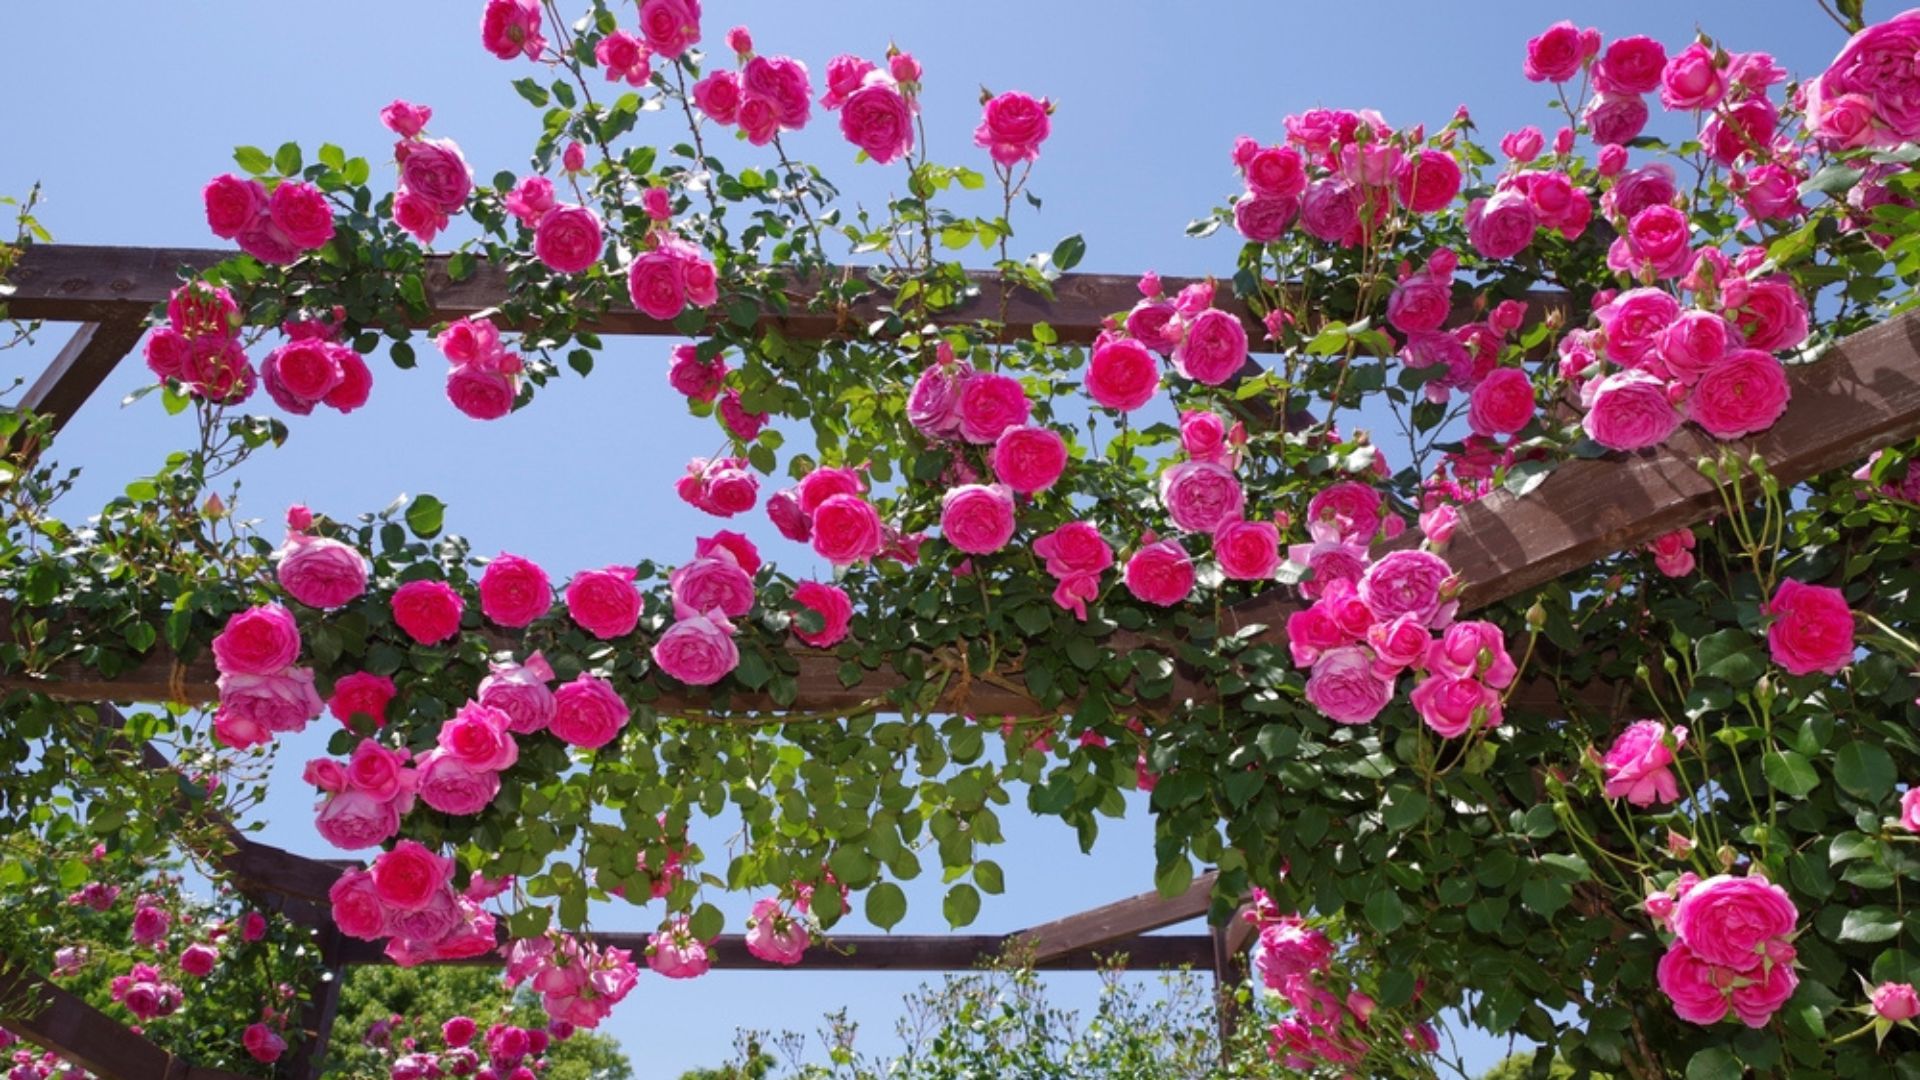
321 573
1615 119
989 405
234 204
1812 628
1262 219
1502 404
1673 552
1452 707
428 611
1629 410
263 1043
1638 764
568 239
477 736
934 405
514 591
1204 437
1405 583
1744 393
1759 994
831 603
718 95
408 877
1247 550
624 57
452 786
977 518
362 694
1029 459
1737 131
1330 211
1012 127
670 26
1637 189
1473 649
1892 1001
434 170
1277 171
1634 320
700 380
783 509
166 353
1910 809
1691 79
1122 374
1729 921
657 284
675 953
827 481
878 120
708 584
258 641
1074 548
379 771
1696 988
356 382
1428 181
301 214
1555 54
415 215
604 603
199 959
1658 239
1347 510
1200 496
1630 65
351 820
1214 348
1502 226
1693 344
846 530
1878 64
480 393
1398 644
1160 573
587 713
698 649
510 28
301 373
657 202
520 691
1523 145
1421 303
1771 313
1438 523
405 119
845 75
357 908
1344 687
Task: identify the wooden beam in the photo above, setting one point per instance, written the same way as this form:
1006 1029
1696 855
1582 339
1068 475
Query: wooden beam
52 1018
81 366
1121 919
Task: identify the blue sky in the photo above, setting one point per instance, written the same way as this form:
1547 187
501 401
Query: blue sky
128 123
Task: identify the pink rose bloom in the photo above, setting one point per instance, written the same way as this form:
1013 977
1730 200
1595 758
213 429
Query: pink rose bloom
1405 583
731 547
1330 211
301 373
301 214
846 530
1744 393
718 95
657 284
674 952
1200 496
1122 374
1204 437
258 641
700 380
1347 510
657 202
1399 644
1770 312
1673 552
934 405
1029 459
357 908
587 713
1638 764
670 26
1421 303
1637 189
604 603
1502 226
1502 404
1737 131
477 736
514 591
830 602
1214 348
321 573
1629 410
1555 54
326 774
1910 809
1878 65
1328 561
405 119
708 584
351 820
625 58
1452 707
878 120
1615 119
480 393
1247 550
452 786
234 204
825 482
1076 555
1812 628
1438 523
166 353
1696 988
782 81
1770 192
1693 344
253 708
415 215
698 649
263 1043
775 936
989 405
434 170
1289 950
1262 219
428 611
1633 322
1691 80
521 692
150 925
409 877
1523 145
1276 170
1730 922
1160 573
199 960
1012 127
1892 1001
379 771
1428 181
977 518
1473 649
1658 239
1630 65
510 28
568 239
1344 687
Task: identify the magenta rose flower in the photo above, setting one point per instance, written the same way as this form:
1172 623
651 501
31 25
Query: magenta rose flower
657 284
1812 628
833 606
1262 218
1029 459
362 694
511 28
670 26
846 530
1452 707
1427 181
520 691
1876 68
1634 320
1502 226
1012 127
435 171
1692 344
1214 348
351 820
1659 240
1615 119
1398 644
1691 79
1630 65
1347 510
989 405
624 57
514 591
404 118
700 380
379 771
1205 437
1729 921
428 611
1330 211
1405 583
1200 496
1760 993
1638 765
827 481
408 877
1770 312
977 518
878 120
698 649
782 81
934 405
1473 649
1160 573
1247 550
1276 170
710 584
587 713
357 908
301 214
568 239
258 641
1122 374
481 393
718 95
1629 410
1555 54
1420 304
234 204
1744 393
1344 687
1502 404
1697 989
604 603
477 736
321 573
1155 324
199 959
1891 1001
845 74
452 786
301 373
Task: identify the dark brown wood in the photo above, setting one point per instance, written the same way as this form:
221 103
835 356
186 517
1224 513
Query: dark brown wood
1096 927
52 1018
81 366
1226 980
306 1055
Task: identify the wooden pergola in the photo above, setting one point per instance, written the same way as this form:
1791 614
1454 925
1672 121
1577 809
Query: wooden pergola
1863 395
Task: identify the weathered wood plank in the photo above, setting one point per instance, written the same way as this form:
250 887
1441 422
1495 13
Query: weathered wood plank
81 366
1095 927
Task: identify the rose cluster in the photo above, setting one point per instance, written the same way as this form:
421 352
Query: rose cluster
146 993
768 95
1340 173
671 275
408 897
262 691
364 799
709 592
566 236
877 105
827 508
484 380
578 984
504 1052
1206 344
200 345
273 227
1733 947
314 368
435 180
461 774
1467 357
722 487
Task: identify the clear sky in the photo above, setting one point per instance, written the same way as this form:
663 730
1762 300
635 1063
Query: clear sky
124 110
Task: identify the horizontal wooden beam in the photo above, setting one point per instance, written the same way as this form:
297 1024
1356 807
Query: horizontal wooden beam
53 1019
1122 919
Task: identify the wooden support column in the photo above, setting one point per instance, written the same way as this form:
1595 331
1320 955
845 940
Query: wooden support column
306 1056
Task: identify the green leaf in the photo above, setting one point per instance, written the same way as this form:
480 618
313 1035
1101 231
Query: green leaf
287 159
1068 253
987 875
1789 773
1864 770
1403 809
1385 911
1870 924
1715 1063
1730 654
1832 180
253 159
532 91
886 905
707 922
1174 878
961 906
425 516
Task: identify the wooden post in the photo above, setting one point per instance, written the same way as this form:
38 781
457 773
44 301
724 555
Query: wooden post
307 1056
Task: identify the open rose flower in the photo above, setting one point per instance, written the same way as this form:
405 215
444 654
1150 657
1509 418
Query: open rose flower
1029 459
429 611
977 518
1638 765
698 649
1345 688
1812 628
1012 127
1160 573
604 603
514 591
1200 496
587 713
1122 374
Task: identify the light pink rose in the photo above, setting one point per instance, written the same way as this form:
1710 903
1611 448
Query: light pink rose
604 602
1639 764
878 120
1214 348
708 584
1012 127
1345 688
846 530
1812 628
255 707
698 649
1729 921
351 820
1615 119
1892 1001
514 591
1744 393
1770 312
435 171
428 611
1247 550
1452 707
258 641
1502 226
521 692
1029 459
1438 523
321 573
1200 496
977 518
1502 404
452 786
1629 410
831 603
587 713
718 95
1405 583
989 405
1122 374
234 204
657 284
1160 573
